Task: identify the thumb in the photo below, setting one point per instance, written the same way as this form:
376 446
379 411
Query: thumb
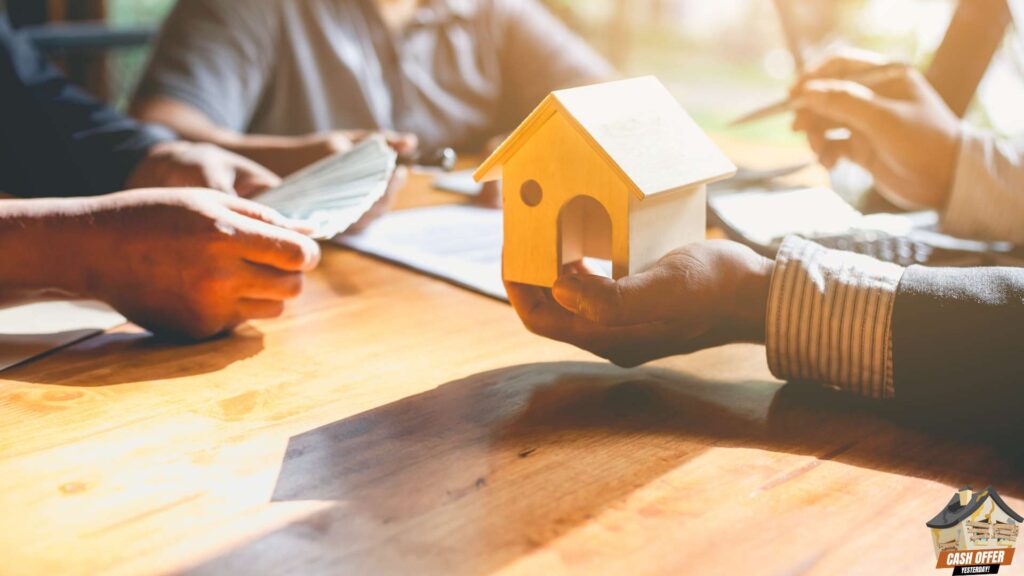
848 103
263 213
251 179
402 142
605 301
216 177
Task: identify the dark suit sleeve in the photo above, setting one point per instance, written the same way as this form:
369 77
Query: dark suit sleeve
56 140
958 338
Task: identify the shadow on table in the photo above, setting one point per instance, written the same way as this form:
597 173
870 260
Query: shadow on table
137 356
469 476
336 275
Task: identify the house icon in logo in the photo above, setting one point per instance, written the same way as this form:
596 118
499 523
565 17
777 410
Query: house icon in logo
975 529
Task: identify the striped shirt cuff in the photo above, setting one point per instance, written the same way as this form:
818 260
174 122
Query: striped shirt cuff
830 318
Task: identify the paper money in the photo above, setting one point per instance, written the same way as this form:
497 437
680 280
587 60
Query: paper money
334 193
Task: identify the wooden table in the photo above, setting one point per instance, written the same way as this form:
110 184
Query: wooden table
392 423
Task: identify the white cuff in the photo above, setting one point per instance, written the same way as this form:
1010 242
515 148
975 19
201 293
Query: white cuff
830 318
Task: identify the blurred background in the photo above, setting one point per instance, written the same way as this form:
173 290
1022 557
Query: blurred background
720 58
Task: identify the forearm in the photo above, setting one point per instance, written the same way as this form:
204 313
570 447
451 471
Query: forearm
40 254
193 125
974 35
987 197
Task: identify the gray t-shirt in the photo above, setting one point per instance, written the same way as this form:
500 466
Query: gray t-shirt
461 72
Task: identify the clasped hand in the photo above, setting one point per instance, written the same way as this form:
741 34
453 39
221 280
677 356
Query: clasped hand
703 295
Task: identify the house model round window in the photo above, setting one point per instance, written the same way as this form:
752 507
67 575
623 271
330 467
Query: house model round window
531 193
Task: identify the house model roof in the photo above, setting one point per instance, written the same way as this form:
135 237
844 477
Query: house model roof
954 513
637 127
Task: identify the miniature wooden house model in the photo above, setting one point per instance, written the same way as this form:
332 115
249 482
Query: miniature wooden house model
615 171
975 521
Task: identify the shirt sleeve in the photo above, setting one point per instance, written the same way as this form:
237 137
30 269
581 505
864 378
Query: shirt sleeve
55 139
987 198
216 56
830 318
539 55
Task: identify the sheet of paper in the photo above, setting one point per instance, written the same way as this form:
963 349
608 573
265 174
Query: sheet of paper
765 217
457 243
461 244
460 182
29 330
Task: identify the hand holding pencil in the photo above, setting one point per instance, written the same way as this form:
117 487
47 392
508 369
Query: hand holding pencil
868 77
900 128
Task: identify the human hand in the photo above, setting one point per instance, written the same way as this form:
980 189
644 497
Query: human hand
187 165
182 261
901 129
703 295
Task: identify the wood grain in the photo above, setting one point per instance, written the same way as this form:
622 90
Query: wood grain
393 424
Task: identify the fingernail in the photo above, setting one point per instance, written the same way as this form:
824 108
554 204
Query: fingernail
567 291
811 89
313 257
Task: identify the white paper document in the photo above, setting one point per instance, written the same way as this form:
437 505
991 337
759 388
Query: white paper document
766 217
460 182
28 330
461 244
457 243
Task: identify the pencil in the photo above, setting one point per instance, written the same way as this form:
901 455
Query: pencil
868 77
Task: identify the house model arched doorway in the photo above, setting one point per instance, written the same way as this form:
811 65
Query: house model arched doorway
584 230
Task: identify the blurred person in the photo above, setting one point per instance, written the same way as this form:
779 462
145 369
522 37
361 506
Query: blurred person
919 152
186 261
286 83
58 141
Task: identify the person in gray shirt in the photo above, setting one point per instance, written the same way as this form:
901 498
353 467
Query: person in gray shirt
286 83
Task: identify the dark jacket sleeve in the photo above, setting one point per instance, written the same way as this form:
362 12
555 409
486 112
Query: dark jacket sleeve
958 339
56 140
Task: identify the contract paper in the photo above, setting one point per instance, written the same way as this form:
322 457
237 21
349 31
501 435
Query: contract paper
30 330
457 243
460 244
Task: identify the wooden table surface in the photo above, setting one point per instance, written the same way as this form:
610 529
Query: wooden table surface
391 423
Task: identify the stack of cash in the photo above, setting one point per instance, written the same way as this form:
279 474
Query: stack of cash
1003 531
979 530
332 194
